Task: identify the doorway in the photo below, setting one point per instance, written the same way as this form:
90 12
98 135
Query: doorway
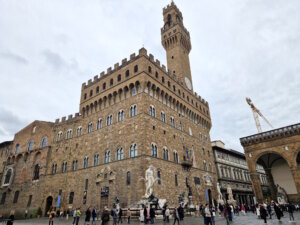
48 205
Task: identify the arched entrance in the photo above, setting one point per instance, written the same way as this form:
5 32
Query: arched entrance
279 177
209 197
49 201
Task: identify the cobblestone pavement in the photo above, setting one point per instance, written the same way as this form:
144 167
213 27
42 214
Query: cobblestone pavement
249 219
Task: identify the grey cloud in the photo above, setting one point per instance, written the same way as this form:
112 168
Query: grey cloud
56 61
14 57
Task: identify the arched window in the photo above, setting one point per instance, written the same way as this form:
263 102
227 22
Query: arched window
169 20
158 177
165 153
119 77
163 80
204 165
104 86
79 131
109 120
99 124
203 151
90 128
3 197
152 111
97 89
136 68
111 82
69 134
121 115
153 150
210 167
30 145
133 91
17 149
175 156
8 176
180 126
128 178
127 73
86 162
149 69
163 117
176 180
54 168
156 74
64 167
133 110
36 172
85 96
133 151
74 165
71 197
120 154
96 160
107 157
44 142
16 197
172 120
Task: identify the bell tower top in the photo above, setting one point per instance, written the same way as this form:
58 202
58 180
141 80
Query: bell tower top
176 41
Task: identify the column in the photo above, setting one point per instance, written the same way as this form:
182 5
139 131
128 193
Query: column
271 183
296 175
257 187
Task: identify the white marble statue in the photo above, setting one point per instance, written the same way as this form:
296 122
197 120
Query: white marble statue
230 196
220 196
149 181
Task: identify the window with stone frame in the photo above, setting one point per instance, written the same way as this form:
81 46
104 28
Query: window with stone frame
128 178
163 117
121 115
152 111
96 159
3 197
29 201
86 162
204 166
16 197
69 134
133 110
36 172
133 151
74 165
172 120
8 176
120 154
109 120
64 168
127 73
180 126
79 131
99 124
90 127
176 180
107 157
210 167
30 145
154 150
175 156
44 142
71 198
119 77
133 91
17 149
159 177
54 168
136 68
149 69
165 153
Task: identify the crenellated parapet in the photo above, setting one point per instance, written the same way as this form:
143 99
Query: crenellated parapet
271 135
67 119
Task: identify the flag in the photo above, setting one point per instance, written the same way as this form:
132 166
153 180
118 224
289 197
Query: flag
187 153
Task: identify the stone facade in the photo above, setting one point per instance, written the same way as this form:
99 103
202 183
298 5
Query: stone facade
278 151
232 171
135 115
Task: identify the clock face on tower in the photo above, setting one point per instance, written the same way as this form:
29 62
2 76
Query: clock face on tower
188 83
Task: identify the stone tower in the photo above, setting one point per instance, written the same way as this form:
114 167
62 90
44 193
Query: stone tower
176 41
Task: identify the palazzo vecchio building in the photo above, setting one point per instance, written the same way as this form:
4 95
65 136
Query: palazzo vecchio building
136 114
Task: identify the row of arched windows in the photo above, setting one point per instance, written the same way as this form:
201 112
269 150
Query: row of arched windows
133 152
109 120
30 145
165 153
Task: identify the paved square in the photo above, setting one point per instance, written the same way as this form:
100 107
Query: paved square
249 219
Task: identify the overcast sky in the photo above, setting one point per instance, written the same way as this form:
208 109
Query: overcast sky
239 48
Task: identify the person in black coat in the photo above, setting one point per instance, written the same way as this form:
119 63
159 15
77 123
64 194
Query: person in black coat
152 215
11 219
181 212
120 214
263 213
88 214
277 211
290 209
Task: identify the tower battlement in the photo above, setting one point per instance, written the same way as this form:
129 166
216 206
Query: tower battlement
67 119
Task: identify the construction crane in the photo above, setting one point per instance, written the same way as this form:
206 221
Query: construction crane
257 113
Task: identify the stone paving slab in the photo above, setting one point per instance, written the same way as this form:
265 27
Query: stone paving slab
249 219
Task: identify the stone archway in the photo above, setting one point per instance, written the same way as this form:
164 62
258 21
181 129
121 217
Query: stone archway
49 202
279 176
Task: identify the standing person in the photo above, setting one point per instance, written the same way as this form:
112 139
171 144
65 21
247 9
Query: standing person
269 209
277 211
51 217
197 210
243 209
26 213
181 212
78 214
142 217
114 214
263 213
290 209
88 214
128 215
258 211
152 214
176 216
74 217
120 214
164 212
232 212
94 216
167 214
226 214
146 215
207 219
213 216
229 213
105 216
11 218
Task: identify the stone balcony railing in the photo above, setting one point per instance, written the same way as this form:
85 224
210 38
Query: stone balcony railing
271 135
